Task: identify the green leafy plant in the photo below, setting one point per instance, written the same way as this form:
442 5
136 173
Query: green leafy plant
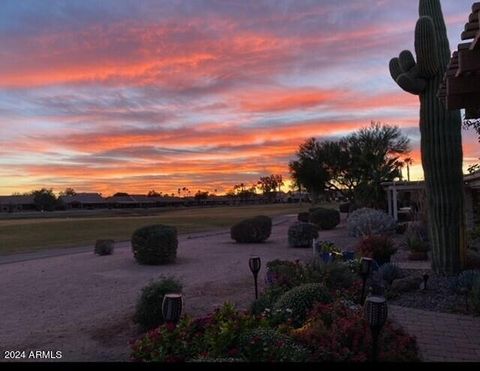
295 303
334 275
326 247
325 218
269 345
253 230
155 244
148 312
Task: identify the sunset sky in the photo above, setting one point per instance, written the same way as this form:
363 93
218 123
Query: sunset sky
120 95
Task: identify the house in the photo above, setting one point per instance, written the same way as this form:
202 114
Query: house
403 197
83 201
10 204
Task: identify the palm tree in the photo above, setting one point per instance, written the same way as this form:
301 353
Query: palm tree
408 161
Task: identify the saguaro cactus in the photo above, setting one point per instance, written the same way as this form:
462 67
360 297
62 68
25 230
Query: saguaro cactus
441 138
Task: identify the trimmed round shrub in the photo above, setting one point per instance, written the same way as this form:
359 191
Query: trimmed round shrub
252 230
325 218
155 244
364 222
269 345
148 313
303 217
296 302
302 234
104 247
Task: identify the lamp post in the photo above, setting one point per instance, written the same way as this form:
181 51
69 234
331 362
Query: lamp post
376 312
172 306
365 270
255 264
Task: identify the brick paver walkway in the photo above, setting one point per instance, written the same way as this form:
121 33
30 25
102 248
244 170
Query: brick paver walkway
441 337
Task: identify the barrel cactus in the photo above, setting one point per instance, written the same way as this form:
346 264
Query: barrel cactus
441 141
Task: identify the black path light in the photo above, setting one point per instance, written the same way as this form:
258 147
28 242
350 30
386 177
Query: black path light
172 306
376 312
365 270
255 264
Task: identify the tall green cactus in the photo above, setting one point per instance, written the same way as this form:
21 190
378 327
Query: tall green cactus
441 138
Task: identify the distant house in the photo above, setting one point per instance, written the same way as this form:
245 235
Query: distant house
402 197
10 204
84 201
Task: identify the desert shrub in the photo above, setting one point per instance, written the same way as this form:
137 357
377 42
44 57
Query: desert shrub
155 244
266 300
269 345
415 244
148 312
334 275
364 222
104 247
302 234
380 248
295 303
389 272
303 217
284 273
465 280
325 218
252 230
339 332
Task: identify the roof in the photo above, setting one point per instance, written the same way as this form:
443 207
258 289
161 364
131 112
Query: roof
84 198
16 200
461 85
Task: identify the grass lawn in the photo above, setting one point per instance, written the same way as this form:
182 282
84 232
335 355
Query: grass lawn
26 235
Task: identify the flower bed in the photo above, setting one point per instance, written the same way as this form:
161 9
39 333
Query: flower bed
333 327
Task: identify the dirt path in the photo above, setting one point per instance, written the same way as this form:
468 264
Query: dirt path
82 304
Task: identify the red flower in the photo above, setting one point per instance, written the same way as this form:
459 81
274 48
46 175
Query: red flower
170 326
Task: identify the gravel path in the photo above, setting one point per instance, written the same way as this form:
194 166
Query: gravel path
82 304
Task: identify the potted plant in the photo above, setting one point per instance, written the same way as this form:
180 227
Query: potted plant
417 246
326 250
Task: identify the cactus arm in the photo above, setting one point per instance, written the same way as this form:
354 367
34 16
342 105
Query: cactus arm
411 84
405 73
426 47
407 61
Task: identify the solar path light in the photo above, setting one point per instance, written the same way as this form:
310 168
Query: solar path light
376 312
172 306
255 264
